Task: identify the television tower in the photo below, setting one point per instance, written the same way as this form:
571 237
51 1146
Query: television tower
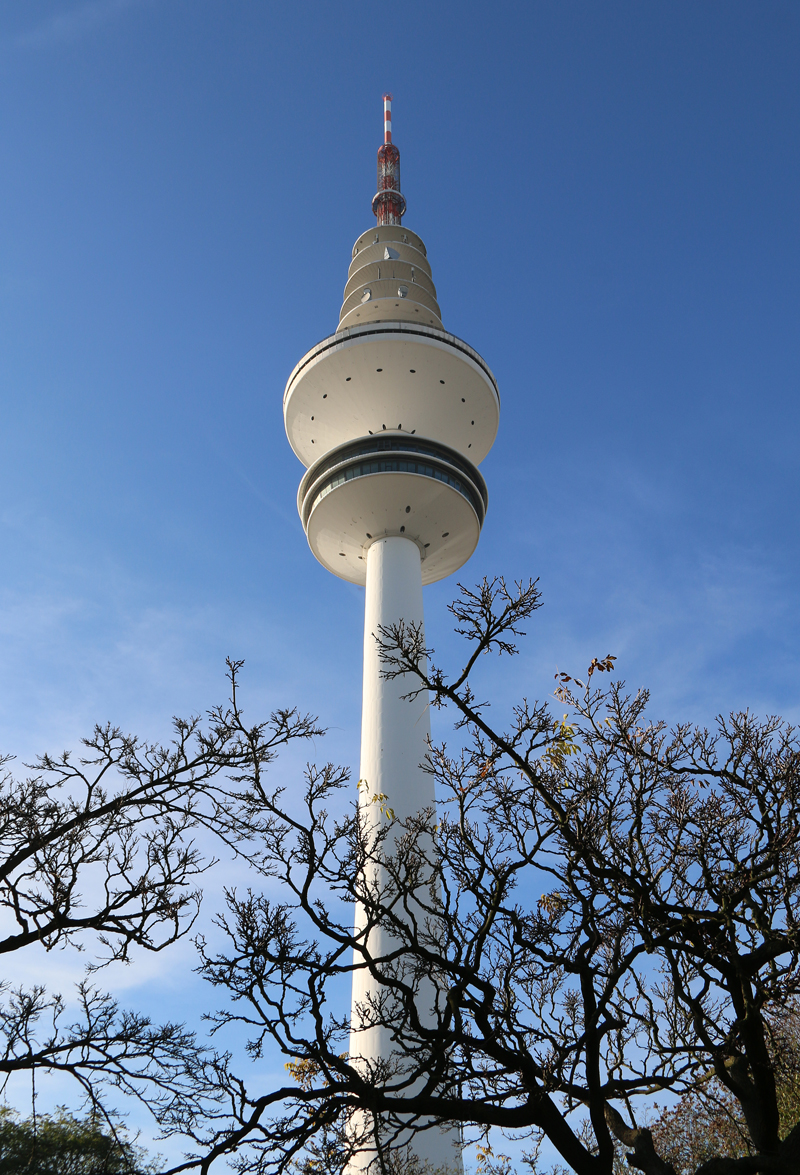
391 415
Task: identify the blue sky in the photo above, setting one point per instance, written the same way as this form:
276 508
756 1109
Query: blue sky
608 193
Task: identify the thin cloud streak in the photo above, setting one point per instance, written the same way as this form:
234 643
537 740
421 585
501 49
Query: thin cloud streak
68 27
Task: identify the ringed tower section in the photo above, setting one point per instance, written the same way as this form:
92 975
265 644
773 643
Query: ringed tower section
391 414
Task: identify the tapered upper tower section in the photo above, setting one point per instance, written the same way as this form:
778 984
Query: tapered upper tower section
390 280
391 414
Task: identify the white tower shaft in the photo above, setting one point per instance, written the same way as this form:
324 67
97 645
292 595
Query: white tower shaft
395 731
395 735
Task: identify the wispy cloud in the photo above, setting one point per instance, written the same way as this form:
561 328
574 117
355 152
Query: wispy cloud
72 25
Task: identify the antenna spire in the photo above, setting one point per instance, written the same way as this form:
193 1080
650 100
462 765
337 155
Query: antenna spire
388 204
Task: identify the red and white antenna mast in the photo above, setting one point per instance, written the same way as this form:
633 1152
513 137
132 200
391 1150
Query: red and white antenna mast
387 118
388 204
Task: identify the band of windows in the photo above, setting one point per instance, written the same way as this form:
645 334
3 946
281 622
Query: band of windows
403 445
423 469
365 446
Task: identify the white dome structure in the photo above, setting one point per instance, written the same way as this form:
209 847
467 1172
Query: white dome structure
391 416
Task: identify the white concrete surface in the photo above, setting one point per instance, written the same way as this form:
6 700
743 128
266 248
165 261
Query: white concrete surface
391 376
395 734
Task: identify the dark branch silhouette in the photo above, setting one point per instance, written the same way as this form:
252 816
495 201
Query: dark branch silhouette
610 914
98 853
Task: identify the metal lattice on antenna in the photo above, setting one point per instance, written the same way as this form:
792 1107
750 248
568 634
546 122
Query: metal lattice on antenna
388 204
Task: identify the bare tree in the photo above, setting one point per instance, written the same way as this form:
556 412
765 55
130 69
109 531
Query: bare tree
708 1120
98 853
611 915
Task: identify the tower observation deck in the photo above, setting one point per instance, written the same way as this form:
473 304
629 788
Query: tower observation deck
391 416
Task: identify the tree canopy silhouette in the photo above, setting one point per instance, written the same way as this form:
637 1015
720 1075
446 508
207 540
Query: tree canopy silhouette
603 911
608 908
99 852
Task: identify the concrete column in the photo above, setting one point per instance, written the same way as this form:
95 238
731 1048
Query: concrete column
395 732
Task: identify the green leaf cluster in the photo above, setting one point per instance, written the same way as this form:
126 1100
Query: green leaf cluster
60 1144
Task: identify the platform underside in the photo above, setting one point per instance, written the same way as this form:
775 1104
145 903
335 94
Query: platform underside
440 521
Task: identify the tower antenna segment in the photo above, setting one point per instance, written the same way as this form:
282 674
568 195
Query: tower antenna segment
387 118
388 204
